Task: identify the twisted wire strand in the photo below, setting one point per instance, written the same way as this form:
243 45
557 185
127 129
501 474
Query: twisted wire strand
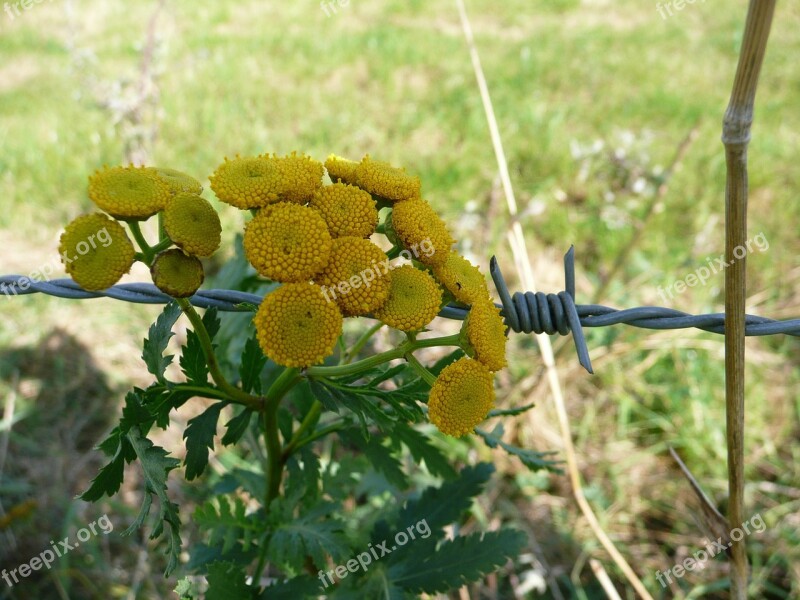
526 312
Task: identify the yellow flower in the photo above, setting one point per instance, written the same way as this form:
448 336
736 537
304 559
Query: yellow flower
177 274
287 242
384 180
177 181
414 299
128 192
462 279
417 226
300 177
486 334
192 223
341 169
95 251
247 182
346 209
461 397
296 326
357 276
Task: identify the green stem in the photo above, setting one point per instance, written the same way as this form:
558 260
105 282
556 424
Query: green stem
320 433
394 252
148 252
373 361
136 230
234 393
276 392
309 421
362 341
429 377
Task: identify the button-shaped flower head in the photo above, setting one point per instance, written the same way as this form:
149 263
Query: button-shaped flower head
414 299
461 397
384 180
417 225
128 192
341 169
346 209
192 223
296 326
462 279
177 181
247 182
357 276
486 334
95 251
287 242
177 274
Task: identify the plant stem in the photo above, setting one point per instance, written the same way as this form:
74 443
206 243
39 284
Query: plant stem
373 361
148 252
362 341
735 137
429 377
309 421
276 392
234 393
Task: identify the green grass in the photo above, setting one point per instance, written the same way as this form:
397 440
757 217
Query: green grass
394 79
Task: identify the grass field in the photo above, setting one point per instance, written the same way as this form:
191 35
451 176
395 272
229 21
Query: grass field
594 100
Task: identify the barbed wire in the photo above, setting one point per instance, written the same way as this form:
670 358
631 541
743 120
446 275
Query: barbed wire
526 312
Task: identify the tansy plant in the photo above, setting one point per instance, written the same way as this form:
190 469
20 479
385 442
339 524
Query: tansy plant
285 385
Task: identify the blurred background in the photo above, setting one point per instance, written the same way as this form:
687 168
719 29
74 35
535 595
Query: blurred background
611 115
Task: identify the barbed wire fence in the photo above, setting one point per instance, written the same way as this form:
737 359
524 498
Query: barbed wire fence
524 312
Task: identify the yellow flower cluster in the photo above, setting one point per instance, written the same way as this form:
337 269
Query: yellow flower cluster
97 252
461 397
324 245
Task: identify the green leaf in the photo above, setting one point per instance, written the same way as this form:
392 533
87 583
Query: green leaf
532 459
156 465
228 524
424 451
293 589
187 590
193 358
157 339
109 479
237 427
227 581
325 395
199 436
465 559
316 535
444 505
252 364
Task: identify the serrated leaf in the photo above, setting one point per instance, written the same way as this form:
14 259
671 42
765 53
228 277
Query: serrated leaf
465 559
227 581
325 395
251 366
228 525
193 360
423 450
236 427
199 436
293 589
157 340
156 465
444 505
532 459
187 590
109 479
315 535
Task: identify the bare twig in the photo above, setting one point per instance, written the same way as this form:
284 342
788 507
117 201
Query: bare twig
519 249
735 137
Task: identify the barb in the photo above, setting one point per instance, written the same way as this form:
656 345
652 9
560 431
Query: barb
526 312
